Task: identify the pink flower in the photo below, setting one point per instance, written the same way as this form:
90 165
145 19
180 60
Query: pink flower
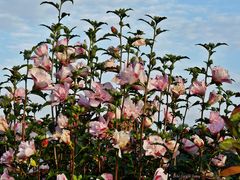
62 121
98 128
219 160
3 125
216 123
154 146
107 176
220 75
179 88
139 42
198 88
61 177
132 110
7 157
43 62
131 74
41 50
65 137
19 94
168 117
172 145
214 97
189 146
159 83
42 80
197 140
67 56
121 139
160 175
26 149
5 175
79 50
60 93
63 42
99 94
64 74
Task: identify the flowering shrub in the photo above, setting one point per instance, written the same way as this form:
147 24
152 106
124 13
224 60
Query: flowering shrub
136 125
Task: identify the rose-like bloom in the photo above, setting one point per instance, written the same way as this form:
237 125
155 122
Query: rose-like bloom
173 147
7 157
26 149
198 88
18 95
62 121
5 175
131 74
79 50
160 175
61 177
214 97
42 80
159 83
219 160
110 63
121 139
197 140
65 136
131 110
154 146
67 56
60 93
82 69
62 42
43 62
216 123
179 88
41 50
64 74
139 42
107 176
3 125
189 146
168 117
220 75
99 94
98 128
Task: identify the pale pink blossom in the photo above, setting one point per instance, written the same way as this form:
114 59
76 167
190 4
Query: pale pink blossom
62 42
216 123
220 75
214 97
60 93
132 110
65 136
67 56
42 79
26 149
19 94
173 146
83 101
159 83
99 94
62 121
43 62
81 69
7 157
160 175
41 50
110 63
61 177
189 146
197 140
179 88
131 74
5 175
139 42
121 139
3 125
79 50
198 88
107 176
169 118
98 128
64 74
153 146
219 160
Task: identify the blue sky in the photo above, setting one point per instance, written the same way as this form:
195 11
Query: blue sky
189 22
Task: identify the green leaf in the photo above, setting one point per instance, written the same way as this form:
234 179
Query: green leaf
227 144
56 5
